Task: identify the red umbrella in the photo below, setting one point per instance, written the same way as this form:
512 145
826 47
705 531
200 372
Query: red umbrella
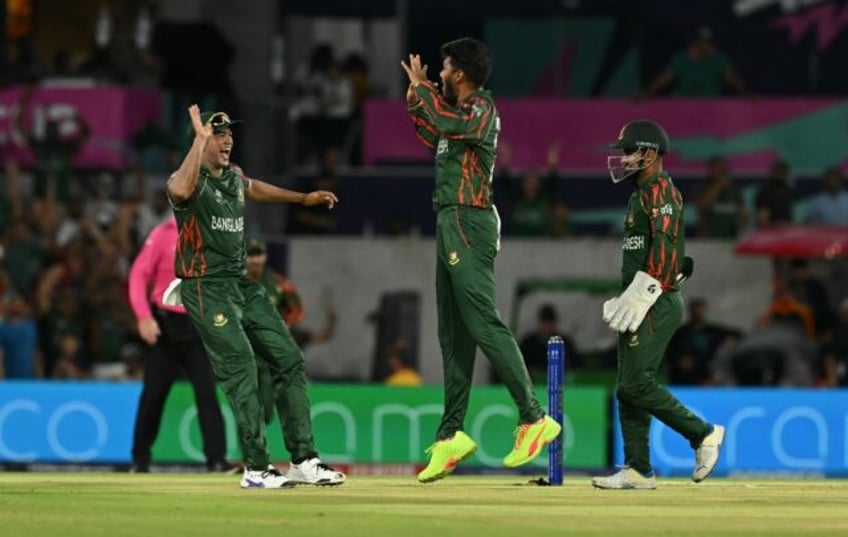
813 242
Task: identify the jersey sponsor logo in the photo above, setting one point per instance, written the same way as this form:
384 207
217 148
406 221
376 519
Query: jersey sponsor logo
636 242
442 147
453 258
666 210
228 224
219 320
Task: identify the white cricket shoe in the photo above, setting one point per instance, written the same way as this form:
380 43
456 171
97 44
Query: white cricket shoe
265 479
626 478
706 455
314 472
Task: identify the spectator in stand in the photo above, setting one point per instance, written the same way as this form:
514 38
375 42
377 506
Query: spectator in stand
810 291
312 81
111 329
700 70
831 206
721 209
534 345
690 354
561 225
71 363
55 144
403 372
779 351
337 109
18 333
530 204
774 198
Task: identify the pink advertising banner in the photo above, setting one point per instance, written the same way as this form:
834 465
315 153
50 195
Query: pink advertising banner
114 114
810 134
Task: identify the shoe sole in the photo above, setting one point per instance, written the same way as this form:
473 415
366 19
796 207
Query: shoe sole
545 443
320 483
289 485
718 448
444 473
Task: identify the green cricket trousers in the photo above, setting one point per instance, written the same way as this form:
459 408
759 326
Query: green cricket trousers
640 396
466 246
238 326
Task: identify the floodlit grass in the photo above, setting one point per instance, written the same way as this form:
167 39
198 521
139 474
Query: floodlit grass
159 505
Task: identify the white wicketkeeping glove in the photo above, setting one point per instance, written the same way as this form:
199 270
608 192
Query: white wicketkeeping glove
627 311
172 296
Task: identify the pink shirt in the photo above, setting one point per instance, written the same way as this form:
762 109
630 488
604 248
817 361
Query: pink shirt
154 268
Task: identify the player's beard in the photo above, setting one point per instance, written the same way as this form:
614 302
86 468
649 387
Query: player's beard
449 92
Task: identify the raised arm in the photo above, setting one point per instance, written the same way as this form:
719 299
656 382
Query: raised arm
183 182
467 123
424 128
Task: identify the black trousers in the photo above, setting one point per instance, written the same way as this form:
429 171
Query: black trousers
178 349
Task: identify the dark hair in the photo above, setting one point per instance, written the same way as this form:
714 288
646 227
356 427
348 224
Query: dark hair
547 313
470 56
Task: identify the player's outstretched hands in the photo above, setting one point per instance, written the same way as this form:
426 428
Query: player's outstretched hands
321 197
200 130
416 72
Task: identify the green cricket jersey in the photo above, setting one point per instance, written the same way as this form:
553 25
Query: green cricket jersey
654 232
464 138
211 226
283 296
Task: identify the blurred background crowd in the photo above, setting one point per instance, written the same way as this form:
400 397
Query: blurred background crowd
302 75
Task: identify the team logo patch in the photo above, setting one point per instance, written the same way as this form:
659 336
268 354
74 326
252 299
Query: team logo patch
218 197
453 258
633 340
219 320
630 220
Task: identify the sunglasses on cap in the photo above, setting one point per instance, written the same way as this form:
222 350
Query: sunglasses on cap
220 121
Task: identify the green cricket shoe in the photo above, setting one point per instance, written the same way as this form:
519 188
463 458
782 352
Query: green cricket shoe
445 455
531 439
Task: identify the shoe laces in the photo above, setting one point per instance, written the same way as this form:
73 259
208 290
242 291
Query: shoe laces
520 432
326 467
271 472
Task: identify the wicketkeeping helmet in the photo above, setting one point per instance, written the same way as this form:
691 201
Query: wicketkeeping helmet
627 155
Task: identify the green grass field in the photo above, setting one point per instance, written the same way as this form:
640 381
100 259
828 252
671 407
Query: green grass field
159 505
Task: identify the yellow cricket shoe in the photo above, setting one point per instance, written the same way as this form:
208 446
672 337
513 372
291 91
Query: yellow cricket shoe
530 439
445 455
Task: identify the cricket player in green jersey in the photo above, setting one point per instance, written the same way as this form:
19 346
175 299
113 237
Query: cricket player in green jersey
650 309
232 314
461 127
